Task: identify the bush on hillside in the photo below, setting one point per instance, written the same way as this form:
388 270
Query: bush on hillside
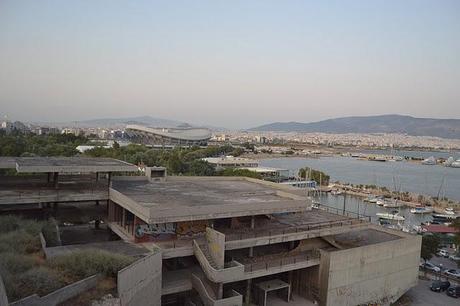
14 264
40 280
20 242
89 262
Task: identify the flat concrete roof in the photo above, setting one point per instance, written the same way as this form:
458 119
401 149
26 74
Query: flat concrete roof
201 198
65 164
363 237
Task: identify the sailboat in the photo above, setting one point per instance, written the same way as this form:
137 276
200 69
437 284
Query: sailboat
394 215
419 209
392 204
429 161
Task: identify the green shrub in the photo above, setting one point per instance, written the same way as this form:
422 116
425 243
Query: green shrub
82 264
19 241
13 223
40 280
13 263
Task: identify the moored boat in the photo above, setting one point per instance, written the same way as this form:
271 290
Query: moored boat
394 215
419 209
429 161
392 204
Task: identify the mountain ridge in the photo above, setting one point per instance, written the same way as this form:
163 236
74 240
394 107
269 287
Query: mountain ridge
393 123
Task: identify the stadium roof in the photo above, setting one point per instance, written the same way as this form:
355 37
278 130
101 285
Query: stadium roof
193 134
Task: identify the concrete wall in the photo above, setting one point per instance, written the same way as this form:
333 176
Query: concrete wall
140 283
216 246
3 297
377 274
60 295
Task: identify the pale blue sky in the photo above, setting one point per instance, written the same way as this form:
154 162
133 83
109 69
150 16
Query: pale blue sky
228 63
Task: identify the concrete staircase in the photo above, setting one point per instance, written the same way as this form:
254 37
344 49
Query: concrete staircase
208 295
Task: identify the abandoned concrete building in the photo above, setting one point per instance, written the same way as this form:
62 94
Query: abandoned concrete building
221 240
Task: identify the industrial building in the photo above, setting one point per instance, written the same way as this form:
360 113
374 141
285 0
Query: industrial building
168 137
227 240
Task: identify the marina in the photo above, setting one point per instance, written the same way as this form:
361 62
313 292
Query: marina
407 176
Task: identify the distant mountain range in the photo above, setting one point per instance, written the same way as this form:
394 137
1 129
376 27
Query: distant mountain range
445 128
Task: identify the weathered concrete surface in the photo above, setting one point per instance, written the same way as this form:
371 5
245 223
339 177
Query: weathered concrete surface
216 246
117 247
3 297
140 283
66 164
374 273
202 198
60 295
32 196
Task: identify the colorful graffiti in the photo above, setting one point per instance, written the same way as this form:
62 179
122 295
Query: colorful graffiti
151 232
191 228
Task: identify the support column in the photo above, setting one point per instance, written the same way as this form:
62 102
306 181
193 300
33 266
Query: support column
248 291
290 279
123 217
220 291
56 179
251 249
109 178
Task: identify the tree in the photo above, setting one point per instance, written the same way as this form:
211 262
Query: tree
201 168
315 175
456 225
430 245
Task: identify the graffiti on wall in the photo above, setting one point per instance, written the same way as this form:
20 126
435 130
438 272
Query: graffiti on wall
148 231
151 232
191 228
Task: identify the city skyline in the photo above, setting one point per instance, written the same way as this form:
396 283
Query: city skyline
235 65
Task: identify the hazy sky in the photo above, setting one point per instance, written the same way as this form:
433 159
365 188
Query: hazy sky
228 63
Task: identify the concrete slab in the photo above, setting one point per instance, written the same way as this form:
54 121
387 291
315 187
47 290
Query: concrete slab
117 247
66 164
201 198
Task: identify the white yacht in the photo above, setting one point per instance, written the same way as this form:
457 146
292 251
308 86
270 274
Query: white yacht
394 215
380 202
455 164
449 211
392 204
421 210
449 161
429 161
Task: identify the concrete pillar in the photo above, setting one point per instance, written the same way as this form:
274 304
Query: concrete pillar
49 177
251 249
248 291
96 224
290 279
123 217
220 291
56 179
109 178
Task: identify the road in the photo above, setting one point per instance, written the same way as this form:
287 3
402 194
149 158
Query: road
446 262
421 295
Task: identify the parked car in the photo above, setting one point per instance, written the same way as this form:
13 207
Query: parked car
453 291
438 286
443 253
455 257
431 267
452 272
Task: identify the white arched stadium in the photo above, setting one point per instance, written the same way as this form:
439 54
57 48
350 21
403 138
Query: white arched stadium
168 136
